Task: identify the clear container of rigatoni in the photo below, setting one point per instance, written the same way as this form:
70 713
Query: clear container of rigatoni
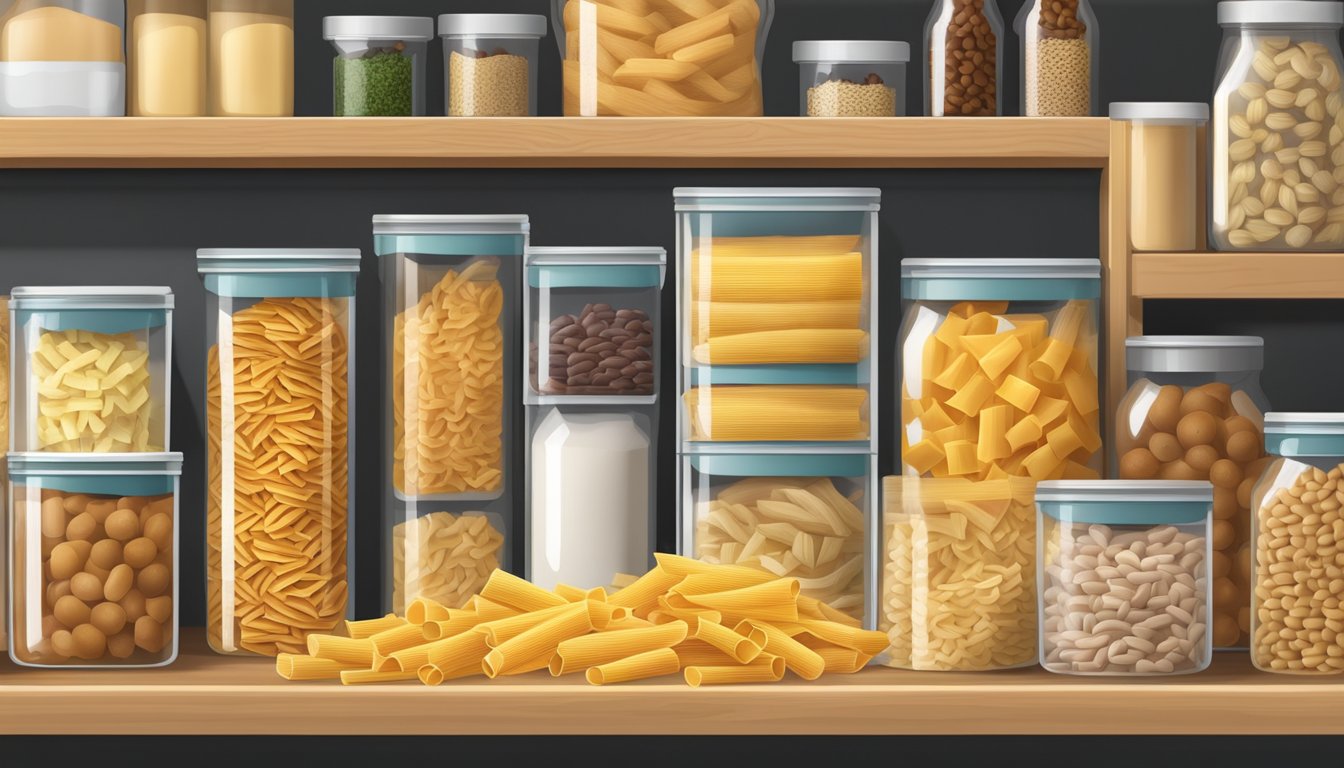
91 368
280 368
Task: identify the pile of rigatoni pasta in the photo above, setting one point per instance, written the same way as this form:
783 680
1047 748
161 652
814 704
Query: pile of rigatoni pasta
715 624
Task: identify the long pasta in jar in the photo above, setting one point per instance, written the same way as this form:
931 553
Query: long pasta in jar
280 381
658 58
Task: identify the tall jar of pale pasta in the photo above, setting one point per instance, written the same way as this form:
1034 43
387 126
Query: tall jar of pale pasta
280 374
451 325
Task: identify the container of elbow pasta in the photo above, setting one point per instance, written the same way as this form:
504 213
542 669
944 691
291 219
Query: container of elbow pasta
91 368
999 369
777 337
1296 560
93 556
802 512
958 582
452 370
1124 582
662 58
280 373
1195 411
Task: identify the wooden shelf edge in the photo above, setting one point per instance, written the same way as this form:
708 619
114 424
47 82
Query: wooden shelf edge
552 142
1238 275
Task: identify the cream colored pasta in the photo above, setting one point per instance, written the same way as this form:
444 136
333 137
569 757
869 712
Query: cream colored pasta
443 557
93 393
288 488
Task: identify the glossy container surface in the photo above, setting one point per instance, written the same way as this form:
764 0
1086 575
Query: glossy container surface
379 69
279 395
167 58
1061 65
93 542
251 58
964 67
91 368
62 58
851 78
490 63
1163 172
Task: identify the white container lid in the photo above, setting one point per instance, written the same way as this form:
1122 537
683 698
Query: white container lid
1124 490
378 28
1174 111
1195 354
92 297
452 224
1280 422
492 25
579 255
982 269
861 51
230 260
1280 12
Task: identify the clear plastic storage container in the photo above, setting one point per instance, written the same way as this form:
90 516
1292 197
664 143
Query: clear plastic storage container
62 58
451 314
804 513
94 555
166 53
1195 411
91 368
280 383
777 289
662 58
1277 155
251 58
999 368
490 63
851 78
379 69
965 59
1124 577
1164 146
591 497
958 584
1296 562
1060 63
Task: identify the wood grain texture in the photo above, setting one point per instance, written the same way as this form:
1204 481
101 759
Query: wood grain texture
1123 313
552 142
204 694
1238 275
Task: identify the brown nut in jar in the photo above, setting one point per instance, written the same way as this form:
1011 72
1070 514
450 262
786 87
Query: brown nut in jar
964 58
610 341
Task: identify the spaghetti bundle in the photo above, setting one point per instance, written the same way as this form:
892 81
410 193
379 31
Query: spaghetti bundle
278 484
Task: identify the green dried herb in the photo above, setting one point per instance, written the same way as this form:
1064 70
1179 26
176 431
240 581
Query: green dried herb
379 84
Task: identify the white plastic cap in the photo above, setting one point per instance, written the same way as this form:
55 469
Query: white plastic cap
1167 111
378 28
841 51
492 25
1272 12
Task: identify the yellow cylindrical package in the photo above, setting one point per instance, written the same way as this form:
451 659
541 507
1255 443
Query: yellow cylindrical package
166 58
251 72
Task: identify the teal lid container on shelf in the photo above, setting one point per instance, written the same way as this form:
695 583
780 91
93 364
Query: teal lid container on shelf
1304 435
258 273
91 368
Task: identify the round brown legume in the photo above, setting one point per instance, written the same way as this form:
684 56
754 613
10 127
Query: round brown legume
600 351
970 66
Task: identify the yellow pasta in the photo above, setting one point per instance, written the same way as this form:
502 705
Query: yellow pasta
766 669
448 386
718 319
294 666
369 627
777 413
773 600
868 642
93 393
286 532
836 346
642 596
390 641
507 589
466 649
774 246
541 639
501 631
629 622
458 623
489 610
443 557
574 594
366 676
341 649
655 663
423 609
580 653
698 653
794 279
739 647
803 661
720 581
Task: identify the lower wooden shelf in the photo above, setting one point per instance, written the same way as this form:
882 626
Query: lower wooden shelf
205 694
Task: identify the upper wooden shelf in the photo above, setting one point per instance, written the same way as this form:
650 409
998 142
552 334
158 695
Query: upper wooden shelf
553 142
1238 275
204 694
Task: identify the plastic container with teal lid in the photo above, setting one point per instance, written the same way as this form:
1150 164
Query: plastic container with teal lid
777 291
1296 561
1000 373
592 319
280 387
1124 576
804 512
91 368
94 559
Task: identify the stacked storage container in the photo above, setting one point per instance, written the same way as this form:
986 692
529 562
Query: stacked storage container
777 359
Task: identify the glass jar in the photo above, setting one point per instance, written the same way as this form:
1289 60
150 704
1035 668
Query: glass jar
166 58
62 58
1276 144
91 368
785 353
1163 172
1000 368
379 69
280 380
851 78
965 63
1124 577
677 59
958 574
1060 62
1296 560
490 63
1195 411
251 58
800 512
94 554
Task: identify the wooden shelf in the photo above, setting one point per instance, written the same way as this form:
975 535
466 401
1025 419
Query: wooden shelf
204 694
552 142
1238 275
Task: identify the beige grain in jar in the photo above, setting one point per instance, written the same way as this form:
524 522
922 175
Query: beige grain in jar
252 58
1163 173
166 58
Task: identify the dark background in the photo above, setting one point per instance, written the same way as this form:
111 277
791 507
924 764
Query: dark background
119 226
